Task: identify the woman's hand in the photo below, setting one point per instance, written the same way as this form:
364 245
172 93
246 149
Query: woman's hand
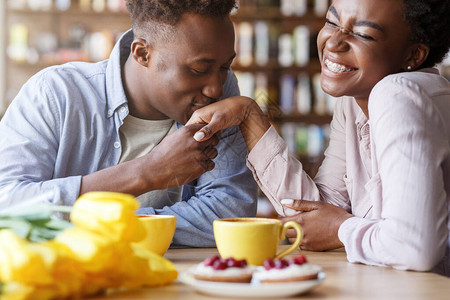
239 110
320 222
221 115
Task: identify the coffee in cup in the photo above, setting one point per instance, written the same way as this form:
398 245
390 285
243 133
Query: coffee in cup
253 239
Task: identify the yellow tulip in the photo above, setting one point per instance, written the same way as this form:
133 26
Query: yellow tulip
96 254
67 278
94 251
16 291
20 261
161 270
109 214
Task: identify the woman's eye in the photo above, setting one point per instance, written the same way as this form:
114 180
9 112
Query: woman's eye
365 36
331 24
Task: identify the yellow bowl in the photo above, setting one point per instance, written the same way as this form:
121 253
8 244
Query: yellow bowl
159 232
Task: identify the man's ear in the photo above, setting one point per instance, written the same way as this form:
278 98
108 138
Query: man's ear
418 54
141 52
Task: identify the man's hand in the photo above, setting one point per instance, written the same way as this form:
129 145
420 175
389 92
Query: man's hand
320 222
179 159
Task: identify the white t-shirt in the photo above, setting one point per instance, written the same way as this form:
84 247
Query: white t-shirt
139 137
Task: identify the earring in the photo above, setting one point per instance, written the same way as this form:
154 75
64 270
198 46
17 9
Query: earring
409 68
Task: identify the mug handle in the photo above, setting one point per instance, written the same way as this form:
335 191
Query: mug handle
296 244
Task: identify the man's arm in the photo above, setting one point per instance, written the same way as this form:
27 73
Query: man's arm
29 145
53 134
226 191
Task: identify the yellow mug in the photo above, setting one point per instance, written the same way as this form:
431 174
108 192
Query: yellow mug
159 231
253 239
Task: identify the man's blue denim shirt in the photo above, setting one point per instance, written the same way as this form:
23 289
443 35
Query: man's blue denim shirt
64 124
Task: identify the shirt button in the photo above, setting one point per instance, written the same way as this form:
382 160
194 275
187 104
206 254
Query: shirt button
116 145
110 112
123 109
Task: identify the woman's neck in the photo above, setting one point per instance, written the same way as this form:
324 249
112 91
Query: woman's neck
364 104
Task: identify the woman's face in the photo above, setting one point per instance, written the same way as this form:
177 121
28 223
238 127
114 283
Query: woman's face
362 42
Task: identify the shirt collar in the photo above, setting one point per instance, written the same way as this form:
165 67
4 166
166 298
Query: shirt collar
114 86
361 118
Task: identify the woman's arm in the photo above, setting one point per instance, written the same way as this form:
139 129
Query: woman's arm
409 148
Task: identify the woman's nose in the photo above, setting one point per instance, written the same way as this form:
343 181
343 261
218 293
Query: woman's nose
337 41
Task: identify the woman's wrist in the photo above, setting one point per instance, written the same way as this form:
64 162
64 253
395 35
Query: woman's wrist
254 125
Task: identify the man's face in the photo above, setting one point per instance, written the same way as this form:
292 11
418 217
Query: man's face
362 42
188 72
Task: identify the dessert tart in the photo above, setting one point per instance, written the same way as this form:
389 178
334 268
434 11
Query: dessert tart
223 270
281 270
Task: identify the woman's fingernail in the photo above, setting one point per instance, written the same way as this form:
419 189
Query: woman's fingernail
287 201
198 136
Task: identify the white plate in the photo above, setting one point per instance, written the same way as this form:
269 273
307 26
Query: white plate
251 290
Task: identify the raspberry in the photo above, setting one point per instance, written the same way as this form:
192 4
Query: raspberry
233 263
298 260
280 263
269 264
242 263
210 261
220 264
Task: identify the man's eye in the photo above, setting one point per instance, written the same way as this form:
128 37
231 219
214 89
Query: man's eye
331 24
198 72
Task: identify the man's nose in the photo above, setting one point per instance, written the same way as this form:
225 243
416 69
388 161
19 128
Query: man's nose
214 87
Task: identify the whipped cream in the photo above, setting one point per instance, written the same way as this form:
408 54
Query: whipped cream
288 272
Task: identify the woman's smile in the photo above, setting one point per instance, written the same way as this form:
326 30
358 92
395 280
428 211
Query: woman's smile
336 67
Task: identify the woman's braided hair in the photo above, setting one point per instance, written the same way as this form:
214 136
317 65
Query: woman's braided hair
429 22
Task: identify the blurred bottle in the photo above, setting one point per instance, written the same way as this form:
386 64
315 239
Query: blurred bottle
245 44
261 43
301 45
285 55
98 5
18 42
63 4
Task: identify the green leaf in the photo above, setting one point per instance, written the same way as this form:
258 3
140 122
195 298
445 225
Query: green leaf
58 224
35 222
19 226
39 234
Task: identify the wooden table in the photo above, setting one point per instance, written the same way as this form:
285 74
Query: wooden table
344 280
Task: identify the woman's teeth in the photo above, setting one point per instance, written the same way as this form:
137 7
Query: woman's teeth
337 68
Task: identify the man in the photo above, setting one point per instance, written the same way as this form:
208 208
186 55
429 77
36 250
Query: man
116 125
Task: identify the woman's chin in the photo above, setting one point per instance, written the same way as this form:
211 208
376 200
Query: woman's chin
334 91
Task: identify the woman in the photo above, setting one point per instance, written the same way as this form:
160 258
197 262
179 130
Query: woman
383 190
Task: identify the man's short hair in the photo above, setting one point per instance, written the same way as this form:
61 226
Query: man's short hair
153 20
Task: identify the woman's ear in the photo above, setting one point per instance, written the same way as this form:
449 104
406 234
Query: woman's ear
418 54
140 51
